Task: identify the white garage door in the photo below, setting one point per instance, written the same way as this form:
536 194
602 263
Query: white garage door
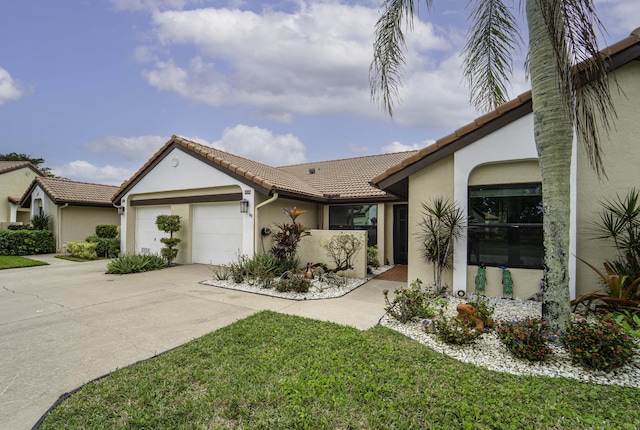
217 233
147 233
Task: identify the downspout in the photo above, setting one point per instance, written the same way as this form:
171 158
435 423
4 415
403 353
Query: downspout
257 216
60 225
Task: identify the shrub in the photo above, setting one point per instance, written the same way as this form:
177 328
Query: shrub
17 227
456 331
26 242
372 257
107 231
105 247
84 250
413 302
630 321
601 345
135 263
525 338
169 224
484 308
296 283
342 248
41 222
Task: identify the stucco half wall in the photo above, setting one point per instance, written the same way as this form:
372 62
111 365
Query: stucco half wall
310 249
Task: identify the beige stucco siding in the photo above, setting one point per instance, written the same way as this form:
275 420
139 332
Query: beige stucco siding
14 184
75 223
511 172
271 214
436 181
621 161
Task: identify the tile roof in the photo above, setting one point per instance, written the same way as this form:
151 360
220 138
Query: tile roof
8 166
339 179
349 177
63 191
523 101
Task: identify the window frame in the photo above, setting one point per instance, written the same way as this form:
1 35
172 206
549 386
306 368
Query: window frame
371 229
474 245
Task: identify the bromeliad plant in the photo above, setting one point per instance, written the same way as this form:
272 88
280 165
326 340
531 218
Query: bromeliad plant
289 236
618 293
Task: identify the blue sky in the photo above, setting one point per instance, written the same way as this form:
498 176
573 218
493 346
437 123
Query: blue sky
96 86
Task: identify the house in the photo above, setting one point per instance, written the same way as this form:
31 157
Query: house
15 177
489 167
74 208
229 204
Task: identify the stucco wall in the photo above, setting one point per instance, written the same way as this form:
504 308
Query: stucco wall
14 184
311 250
75 223
272 213
621 161
436 181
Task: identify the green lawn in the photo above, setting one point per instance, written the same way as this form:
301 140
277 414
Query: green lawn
15 262
275 371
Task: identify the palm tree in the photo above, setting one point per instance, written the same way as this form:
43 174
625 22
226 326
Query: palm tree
569 90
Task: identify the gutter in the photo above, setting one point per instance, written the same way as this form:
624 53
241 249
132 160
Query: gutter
60 225
257 216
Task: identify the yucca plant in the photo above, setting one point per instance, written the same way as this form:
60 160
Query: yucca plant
442 223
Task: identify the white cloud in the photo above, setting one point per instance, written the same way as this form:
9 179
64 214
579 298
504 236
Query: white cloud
84 171
357 149
259 144
9 90
137 148
401 147
314 60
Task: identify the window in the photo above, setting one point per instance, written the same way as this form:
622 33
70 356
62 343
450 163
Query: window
505 226
355 217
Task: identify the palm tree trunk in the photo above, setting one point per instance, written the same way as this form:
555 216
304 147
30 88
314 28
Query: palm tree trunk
553 130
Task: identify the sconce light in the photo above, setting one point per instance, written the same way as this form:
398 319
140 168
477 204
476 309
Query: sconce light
120 210
244 206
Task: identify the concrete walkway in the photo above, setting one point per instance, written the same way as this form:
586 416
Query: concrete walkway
65 324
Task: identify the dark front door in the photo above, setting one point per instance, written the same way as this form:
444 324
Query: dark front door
400 233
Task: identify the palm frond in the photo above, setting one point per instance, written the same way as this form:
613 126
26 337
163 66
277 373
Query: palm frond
488 64
385 71
573 26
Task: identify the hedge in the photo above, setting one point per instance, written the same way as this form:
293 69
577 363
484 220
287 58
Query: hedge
26 242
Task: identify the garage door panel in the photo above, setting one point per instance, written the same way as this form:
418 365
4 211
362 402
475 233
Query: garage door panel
217 233
147 234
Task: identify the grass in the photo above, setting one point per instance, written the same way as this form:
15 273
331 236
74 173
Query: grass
278 371
16 262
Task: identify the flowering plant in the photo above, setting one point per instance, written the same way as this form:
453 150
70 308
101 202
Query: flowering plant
601 345
456 331
525 338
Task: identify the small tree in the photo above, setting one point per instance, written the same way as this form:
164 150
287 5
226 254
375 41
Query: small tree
342 248
443 222
289 236
169 224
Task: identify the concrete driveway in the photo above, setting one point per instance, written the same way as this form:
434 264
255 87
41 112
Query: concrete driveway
65 324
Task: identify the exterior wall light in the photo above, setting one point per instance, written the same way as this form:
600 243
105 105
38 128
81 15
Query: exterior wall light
244 206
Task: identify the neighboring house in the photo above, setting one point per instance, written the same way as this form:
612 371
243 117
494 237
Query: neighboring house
15 177
490 168
74 208
228 204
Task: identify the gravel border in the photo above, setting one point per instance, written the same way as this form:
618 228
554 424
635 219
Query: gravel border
317 291
490 353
